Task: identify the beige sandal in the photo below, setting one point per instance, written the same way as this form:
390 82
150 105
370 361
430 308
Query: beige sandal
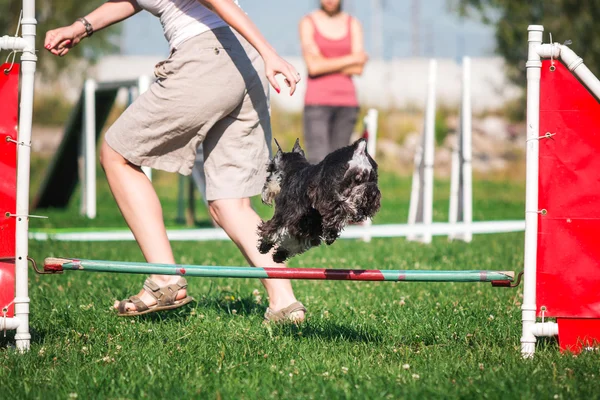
165 299
285 315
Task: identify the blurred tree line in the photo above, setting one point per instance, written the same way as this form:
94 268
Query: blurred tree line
51 14
566 19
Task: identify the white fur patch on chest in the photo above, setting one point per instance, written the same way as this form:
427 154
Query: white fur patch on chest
272 188
290 243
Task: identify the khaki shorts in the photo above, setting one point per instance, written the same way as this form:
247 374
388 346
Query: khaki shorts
212 90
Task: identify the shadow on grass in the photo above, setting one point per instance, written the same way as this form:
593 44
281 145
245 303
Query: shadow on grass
330 331
8 341
224 305
547 343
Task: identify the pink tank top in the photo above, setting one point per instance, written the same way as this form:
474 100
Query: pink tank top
334 89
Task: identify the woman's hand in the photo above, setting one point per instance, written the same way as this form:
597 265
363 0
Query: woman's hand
360 58
231 13
275 65
59 41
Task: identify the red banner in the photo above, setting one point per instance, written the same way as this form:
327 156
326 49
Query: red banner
9 89
568 269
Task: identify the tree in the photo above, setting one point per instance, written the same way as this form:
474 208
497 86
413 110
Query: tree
566 19
51 14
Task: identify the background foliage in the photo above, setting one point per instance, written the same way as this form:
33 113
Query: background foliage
51 14
566 19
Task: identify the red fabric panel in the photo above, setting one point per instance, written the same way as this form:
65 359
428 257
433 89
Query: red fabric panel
9 86
568 272
576 334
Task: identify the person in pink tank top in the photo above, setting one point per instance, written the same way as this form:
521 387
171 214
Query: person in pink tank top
332 46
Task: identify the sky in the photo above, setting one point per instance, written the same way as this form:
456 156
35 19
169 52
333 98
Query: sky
441 32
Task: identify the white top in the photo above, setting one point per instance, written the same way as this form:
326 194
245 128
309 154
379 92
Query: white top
182 19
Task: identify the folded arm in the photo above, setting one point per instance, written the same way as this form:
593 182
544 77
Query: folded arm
319 65
357 48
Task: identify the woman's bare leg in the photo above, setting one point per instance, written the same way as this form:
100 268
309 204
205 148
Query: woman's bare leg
240 221
142 211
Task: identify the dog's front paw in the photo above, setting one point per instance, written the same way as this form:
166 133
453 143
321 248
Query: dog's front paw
330 240
264 246
330 236
281 255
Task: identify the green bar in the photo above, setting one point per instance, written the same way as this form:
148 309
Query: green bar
166 269
278 273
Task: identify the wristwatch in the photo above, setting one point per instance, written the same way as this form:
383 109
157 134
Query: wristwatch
89 30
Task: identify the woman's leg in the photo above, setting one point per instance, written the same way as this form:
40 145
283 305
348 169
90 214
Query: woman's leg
317 125
342 126
142 211
240 221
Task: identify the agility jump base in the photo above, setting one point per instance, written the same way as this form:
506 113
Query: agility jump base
561 268
562 255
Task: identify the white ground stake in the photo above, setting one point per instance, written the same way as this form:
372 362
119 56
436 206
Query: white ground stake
370 123
421 196
461 182
88 149
534 66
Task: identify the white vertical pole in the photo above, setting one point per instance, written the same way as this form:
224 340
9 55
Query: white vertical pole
429 151
143 85
416 200
455 179
89 149
421 197
28 65
466 152
534 67
461 179
372 117
371 124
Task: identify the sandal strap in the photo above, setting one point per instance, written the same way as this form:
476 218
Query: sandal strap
164 295
137 302
284 313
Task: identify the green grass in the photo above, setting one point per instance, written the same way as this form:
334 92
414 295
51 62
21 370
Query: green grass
363 340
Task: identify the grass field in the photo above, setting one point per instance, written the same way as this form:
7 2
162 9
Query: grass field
361 340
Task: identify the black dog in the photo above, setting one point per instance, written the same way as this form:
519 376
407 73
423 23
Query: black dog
315 202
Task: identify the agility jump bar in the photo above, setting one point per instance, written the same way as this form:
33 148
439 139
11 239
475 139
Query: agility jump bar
57 265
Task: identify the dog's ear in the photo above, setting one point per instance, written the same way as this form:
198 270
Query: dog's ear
278 146
297 148
359 163
276 161
360 147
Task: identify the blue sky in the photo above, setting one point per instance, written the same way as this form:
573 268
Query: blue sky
442 33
